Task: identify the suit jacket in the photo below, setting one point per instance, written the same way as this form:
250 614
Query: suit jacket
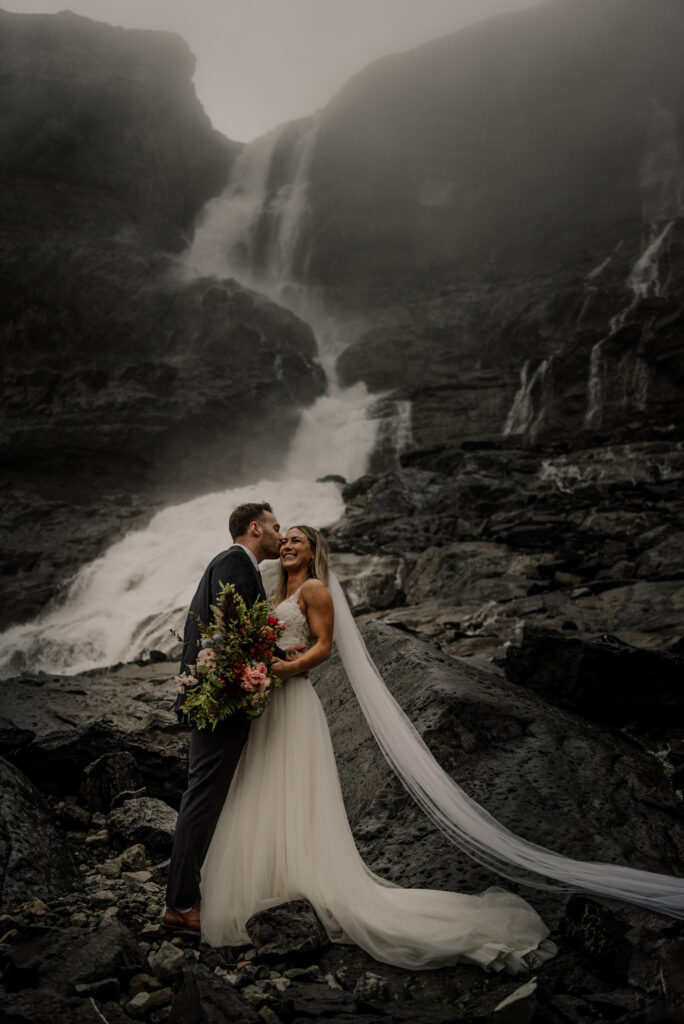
231 566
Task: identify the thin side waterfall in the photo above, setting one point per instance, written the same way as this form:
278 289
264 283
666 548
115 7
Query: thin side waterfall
643 280
661 181
123 604
526 415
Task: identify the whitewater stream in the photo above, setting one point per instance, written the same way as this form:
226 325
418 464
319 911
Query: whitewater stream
123 604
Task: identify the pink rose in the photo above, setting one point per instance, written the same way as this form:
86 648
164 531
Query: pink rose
255 677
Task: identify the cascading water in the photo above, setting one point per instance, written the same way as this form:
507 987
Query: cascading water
125 602
661 182
526 414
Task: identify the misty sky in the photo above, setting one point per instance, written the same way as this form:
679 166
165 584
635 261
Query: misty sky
262 62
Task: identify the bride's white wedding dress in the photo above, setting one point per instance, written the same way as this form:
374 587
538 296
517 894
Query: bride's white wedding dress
283 834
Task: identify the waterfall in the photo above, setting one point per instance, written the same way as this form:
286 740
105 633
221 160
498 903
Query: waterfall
523 416
123 604
595 387
643 280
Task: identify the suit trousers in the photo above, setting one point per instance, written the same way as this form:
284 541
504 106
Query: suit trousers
213 758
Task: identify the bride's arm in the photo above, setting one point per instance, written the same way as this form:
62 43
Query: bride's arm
320 616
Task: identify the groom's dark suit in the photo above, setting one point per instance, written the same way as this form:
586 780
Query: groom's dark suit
213 756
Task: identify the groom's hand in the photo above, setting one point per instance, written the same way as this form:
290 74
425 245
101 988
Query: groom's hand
293 652
283 668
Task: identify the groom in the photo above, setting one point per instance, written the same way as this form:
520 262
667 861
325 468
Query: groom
214 755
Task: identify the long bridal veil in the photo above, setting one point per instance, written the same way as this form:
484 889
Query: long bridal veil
462 820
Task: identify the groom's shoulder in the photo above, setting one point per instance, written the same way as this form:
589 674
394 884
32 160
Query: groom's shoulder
231 553
232 556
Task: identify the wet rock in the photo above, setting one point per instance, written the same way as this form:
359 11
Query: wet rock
75 817
664 561
105 715
204 998
134 858
317 1001
603 679
61 958
371 988
114 776
166 960
290 930
34 859
39 1007
144 821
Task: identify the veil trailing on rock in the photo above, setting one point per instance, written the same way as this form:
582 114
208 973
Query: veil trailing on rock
462 820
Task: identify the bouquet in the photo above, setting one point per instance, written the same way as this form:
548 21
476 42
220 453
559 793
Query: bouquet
233 669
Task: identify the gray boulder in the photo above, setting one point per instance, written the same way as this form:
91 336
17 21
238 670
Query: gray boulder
68 723
600 678
62 958
144 820
34 859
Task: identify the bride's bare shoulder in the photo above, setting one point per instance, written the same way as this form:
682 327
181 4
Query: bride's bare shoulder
313 587
315 591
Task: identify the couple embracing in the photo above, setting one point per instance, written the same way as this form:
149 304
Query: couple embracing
263 821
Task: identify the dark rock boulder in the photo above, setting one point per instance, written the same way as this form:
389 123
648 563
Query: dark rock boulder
601 678
34 859
315 1001
204 998
72 721
144 820
112 778
291 930
61 958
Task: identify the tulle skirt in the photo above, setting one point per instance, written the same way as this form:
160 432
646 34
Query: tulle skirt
283 834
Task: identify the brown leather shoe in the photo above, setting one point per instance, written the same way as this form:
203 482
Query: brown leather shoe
174 921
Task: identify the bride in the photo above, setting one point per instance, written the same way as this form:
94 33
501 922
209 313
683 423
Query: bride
283 832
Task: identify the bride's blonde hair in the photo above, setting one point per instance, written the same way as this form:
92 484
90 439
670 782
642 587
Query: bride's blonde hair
318 566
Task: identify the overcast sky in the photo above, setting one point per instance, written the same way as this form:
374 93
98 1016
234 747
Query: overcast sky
262 62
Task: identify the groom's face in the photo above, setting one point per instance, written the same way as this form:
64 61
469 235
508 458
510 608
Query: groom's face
271 537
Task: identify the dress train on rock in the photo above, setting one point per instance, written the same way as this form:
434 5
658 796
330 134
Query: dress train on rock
283 834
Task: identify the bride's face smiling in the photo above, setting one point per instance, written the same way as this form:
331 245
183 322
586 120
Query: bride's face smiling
296 551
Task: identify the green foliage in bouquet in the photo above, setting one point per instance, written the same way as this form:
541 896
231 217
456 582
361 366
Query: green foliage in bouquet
233 669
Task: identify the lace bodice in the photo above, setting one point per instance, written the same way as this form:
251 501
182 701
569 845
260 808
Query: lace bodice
297 630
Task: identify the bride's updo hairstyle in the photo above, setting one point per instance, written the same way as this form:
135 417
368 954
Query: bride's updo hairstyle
318 566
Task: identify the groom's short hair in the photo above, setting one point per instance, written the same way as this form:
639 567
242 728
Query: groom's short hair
243 515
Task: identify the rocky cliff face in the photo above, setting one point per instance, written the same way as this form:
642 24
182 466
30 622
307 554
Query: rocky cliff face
123 384
504 205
